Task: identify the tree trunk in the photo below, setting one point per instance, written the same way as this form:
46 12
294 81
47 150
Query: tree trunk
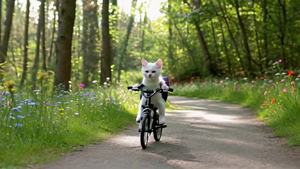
43 32
106 51
170 37
50 64
10 5
265 32
89 40
1 20
25 47
64 43
245 39
282 31
234 42
124 44
228 60
114 27
207 59
36 62
185 43
216 59
257 40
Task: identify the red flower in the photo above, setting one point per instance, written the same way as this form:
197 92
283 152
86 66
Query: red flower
273 101
291 73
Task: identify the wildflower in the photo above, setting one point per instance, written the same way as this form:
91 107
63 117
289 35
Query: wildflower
293 83
265 93
273 101
282 80
42 75
291 73
9 84
16 109
277 74
30 102
19 125
37 91
61 111
76 114
284 90
94 81
20 117
226 78
11 117
82 85
297 79
245 78
107 79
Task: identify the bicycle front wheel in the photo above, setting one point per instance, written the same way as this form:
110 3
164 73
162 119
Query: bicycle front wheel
157 132
144 134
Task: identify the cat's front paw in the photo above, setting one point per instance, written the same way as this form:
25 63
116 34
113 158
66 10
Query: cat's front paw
165 87
138 119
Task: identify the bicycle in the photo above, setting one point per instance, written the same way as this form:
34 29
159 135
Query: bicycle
150 118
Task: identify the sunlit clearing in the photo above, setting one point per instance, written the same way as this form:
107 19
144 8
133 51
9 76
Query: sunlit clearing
152 7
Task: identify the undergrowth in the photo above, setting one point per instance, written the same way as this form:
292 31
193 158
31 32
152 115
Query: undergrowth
38 126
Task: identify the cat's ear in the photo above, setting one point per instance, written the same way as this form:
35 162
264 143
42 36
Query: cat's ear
144 62
159 63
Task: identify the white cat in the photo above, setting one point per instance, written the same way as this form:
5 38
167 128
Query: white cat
152 80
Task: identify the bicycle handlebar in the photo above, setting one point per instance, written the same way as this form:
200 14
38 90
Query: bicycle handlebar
148 91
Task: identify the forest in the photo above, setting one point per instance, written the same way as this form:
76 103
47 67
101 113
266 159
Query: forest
61 59
215 38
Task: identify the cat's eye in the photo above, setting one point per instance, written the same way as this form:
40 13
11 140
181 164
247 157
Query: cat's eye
147 71
153 71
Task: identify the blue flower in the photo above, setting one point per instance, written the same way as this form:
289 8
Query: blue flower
19 125
20 117
30 102
16 109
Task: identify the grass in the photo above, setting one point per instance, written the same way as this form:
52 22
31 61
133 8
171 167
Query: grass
36 126
276 101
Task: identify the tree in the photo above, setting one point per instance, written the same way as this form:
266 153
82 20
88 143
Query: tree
106 51
124 44
66 16
1 19
89 40
10 5
245 38
25 47
208 61
50 64
39 32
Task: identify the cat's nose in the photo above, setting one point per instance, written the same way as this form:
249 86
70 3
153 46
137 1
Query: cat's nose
150 75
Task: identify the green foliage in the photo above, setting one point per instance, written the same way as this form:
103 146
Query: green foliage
38 126
277 101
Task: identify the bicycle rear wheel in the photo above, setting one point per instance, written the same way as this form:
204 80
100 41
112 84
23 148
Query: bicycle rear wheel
144 134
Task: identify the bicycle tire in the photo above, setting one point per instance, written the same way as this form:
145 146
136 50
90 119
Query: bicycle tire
157 132
144 134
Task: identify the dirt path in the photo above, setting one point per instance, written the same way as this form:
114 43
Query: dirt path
200 135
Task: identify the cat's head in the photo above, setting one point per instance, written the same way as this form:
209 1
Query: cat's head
151 70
